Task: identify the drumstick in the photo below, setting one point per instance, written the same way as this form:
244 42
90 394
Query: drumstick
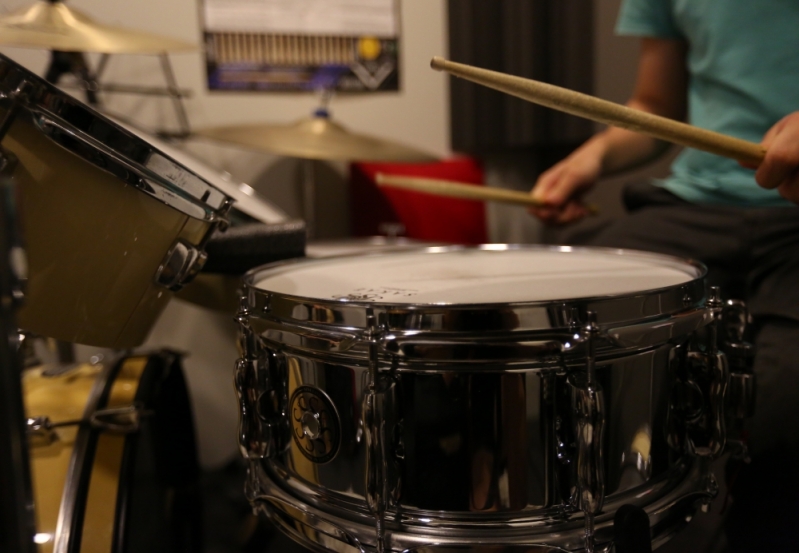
462 190
607 112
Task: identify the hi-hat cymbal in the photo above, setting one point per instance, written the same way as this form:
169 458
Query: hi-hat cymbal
55 26
315 137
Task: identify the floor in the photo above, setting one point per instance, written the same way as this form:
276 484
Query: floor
230 526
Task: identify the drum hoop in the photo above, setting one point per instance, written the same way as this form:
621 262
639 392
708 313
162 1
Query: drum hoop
351 315
68 527
87 133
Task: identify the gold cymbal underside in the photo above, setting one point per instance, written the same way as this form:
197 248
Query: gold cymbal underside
55 26
315 138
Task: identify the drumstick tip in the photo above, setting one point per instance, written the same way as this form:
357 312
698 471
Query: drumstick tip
437 63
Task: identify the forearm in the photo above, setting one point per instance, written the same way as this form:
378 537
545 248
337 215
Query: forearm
620 150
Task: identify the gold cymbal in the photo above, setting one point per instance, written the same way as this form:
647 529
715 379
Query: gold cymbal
55 26
316 137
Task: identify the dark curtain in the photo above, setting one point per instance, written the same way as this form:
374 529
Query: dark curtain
546 40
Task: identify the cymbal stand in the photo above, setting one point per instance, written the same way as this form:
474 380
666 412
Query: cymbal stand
91 84
17 520
175 94
308 172
309 197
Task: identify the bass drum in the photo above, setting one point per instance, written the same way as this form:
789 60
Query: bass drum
113 457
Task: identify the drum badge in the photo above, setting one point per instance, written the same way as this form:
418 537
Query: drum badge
315 425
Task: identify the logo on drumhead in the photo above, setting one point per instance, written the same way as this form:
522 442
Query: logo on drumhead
314 424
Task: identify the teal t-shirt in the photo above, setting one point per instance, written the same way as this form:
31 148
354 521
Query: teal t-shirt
743 61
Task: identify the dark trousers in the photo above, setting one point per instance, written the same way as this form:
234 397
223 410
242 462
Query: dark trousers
752 254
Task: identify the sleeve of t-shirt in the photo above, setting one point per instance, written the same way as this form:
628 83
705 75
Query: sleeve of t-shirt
647 18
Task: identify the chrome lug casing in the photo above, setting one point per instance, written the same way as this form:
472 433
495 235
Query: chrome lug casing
373 422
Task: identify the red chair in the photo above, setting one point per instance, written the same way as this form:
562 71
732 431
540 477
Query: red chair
424 216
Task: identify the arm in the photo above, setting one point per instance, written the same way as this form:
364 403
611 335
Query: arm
780 168
661 88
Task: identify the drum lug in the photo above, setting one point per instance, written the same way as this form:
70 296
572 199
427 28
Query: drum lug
588 405
708 373
262 420
740 354
180 265
382 481
262 432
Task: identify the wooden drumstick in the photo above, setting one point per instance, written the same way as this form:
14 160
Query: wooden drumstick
610 113
462 190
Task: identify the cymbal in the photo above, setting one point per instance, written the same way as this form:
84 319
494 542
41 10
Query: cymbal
316 137
55 26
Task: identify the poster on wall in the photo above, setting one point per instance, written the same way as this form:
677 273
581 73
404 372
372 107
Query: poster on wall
302 45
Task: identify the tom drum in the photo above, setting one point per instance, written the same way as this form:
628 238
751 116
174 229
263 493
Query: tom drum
112 225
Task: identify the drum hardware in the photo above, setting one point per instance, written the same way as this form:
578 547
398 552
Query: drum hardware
696 419
631 530
741 355
260 425
158 176
120 420
181 264
588 403
374 424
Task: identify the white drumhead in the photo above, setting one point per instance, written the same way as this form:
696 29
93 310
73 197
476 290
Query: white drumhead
478 276
247 200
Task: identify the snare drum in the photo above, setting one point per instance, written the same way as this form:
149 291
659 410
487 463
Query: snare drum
113 457
112 225
454 399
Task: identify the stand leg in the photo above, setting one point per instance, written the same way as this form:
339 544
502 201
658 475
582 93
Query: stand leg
174 93
309 197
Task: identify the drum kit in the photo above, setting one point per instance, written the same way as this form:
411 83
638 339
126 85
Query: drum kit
416 399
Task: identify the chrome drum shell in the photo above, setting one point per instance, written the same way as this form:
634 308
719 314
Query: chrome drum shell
478 430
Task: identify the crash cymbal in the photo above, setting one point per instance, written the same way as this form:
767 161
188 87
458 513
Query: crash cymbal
316 137
55 26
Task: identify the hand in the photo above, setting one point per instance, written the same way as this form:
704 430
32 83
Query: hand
780 168
561 188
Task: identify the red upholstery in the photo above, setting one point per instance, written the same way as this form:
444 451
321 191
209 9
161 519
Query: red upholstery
425 216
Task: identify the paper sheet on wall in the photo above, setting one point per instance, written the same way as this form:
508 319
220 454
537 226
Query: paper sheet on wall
301 45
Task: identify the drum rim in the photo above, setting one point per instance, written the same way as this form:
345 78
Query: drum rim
65 120
281 266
